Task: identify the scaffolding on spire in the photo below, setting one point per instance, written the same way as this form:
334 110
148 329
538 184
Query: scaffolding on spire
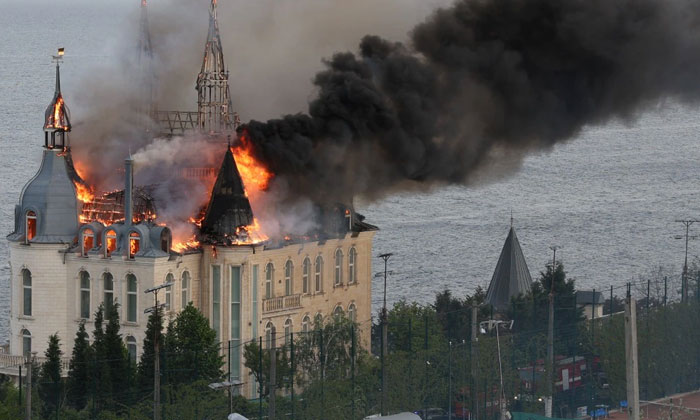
214 115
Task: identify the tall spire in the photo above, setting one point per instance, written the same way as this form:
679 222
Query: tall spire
213 94
57 115
145 69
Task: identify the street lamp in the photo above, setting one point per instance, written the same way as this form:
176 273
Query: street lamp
230 385
156 354
490 324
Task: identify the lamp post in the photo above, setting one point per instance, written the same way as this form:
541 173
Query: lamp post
156 353
550 339
385 257
496 324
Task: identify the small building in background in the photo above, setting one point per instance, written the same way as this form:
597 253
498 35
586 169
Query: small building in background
591 302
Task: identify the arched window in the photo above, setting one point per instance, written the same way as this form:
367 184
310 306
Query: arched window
26 343
88 241
134 244
30 220
352 266
305 324
338 267
305 273
84 295
108 286
185 288
269 280
131 297
287 331
318 275
270 336
131 347
27 292
168 291
288 278
110 242
338 311
318 320
352 312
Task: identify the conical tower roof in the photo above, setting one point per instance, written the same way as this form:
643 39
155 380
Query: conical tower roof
511 277
57 115
228 207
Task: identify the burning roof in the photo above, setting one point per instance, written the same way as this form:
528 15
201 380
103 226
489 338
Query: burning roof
229 209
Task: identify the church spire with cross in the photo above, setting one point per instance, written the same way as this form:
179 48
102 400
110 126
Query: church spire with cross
214 113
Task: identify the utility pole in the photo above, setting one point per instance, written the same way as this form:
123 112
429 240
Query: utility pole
472 387
28 402
273 383
550 340
156 349
449 388
684 284
385 257
631 358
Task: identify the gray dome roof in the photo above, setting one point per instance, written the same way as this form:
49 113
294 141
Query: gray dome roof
52 196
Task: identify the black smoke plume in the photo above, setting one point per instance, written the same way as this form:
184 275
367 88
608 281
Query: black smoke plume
480 81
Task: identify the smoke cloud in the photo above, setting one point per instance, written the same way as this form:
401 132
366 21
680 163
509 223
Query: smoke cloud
476 82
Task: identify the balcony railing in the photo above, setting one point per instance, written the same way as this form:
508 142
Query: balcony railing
281 303
9 363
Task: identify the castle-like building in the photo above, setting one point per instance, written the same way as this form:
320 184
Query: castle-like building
65 263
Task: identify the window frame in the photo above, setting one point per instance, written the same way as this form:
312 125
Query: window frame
305 322
131 342
132 298
338 272
352 312
184 288
352 265
288 278
27 295
87 233
107 276
110 235
306 275
169 292
318 274
26 338
134 244
84 294
30 215
269 280
287 331
270 335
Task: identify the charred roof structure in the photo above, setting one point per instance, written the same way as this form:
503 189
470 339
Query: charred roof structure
228 209
511 277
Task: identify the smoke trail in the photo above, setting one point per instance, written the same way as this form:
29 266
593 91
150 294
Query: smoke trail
477 81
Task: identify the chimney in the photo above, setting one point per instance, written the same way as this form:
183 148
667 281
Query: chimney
128 191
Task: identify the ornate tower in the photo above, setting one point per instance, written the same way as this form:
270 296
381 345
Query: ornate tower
214 111
57 116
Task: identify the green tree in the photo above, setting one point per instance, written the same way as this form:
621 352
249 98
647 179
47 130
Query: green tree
49 384
154 329
116 357
101 382
194 347
79 369
251 354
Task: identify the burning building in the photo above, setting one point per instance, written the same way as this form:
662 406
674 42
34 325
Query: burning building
74 248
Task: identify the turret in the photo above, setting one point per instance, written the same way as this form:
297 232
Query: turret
214 108
57 116
48 207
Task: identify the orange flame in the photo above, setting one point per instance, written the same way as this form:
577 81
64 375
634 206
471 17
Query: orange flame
56 119
191 243
256 177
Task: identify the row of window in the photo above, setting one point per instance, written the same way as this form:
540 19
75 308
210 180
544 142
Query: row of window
27 345
108 293
88 242
271 330
306 274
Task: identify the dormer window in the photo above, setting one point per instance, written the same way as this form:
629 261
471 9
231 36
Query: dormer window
88 241
134 244
110 242
31 225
